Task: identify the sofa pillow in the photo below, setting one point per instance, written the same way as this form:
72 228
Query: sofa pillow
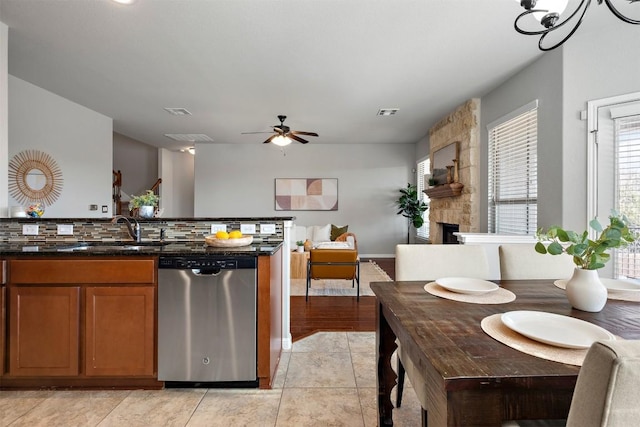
321 233
336 231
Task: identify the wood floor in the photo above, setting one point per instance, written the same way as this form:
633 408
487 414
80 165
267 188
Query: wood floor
323 313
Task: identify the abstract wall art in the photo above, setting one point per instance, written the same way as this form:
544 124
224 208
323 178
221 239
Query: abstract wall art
306 194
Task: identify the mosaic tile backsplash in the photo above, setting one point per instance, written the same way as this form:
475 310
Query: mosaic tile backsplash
103 230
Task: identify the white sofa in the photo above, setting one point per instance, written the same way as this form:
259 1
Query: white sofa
318 235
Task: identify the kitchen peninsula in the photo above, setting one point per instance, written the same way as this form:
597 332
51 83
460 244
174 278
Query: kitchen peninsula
81 310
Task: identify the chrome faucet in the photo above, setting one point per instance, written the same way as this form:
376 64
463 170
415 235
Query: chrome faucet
134 232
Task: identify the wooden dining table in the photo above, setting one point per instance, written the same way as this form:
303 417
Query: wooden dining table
473 379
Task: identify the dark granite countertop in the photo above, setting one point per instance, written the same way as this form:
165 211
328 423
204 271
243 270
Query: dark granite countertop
130 248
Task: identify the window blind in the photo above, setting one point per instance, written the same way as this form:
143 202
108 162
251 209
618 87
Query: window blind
513 174
422 170
627 172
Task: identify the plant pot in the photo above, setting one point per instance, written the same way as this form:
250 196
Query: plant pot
146 211
300 248
585 291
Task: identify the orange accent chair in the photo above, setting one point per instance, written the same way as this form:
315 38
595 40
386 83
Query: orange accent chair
333 264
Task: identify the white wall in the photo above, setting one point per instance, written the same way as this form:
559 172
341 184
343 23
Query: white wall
599 61
542 80
176 190
4 123
602 63
238 180
78 139
138 163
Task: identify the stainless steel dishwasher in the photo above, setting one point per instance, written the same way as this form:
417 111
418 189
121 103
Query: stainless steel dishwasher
207 321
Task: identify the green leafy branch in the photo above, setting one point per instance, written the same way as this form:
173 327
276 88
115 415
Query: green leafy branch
587 254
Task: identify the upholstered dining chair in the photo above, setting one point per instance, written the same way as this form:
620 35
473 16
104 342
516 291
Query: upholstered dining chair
607 390
334 264
430 262
520 261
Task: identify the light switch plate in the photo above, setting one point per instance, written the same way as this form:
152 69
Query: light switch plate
65 229
267 228
30 229
218 227
248 228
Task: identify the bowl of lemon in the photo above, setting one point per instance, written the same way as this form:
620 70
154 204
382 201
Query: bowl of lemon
231 239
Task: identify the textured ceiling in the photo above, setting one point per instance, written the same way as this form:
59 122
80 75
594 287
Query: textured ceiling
329 65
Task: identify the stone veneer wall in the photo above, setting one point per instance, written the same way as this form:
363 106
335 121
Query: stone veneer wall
463 126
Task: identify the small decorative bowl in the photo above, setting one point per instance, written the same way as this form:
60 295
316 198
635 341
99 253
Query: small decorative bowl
228 243
35 210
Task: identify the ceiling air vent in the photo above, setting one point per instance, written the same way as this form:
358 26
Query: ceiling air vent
189 137
178 111
387 111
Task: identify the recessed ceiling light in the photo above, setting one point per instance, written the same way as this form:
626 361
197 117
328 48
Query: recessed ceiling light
124 1
387 111
178 111
189 137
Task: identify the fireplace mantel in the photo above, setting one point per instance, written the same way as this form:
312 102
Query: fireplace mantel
444 190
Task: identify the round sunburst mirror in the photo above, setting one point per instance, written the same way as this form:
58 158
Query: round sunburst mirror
34 176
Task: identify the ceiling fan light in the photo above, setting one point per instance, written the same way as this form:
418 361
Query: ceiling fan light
281 141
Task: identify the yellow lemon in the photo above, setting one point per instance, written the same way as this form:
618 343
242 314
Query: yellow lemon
235 234
222 235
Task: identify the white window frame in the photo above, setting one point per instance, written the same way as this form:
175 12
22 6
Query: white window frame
423 172
492 221
601 115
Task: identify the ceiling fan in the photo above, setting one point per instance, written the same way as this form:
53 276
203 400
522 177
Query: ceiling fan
284 135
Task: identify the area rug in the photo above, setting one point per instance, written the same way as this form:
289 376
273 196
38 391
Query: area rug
369 272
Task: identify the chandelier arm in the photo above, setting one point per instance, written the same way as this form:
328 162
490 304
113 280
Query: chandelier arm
620 15
584 3
565 38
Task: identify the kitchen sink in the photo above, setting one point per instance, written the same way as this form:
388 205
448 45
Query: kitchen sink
110 246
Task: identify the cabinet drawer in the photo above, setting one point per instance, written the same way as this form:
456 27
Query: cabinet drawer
69 271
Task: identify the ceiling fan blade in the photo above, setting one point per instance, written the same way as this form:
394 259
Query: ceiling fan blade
278 129
269 139
297 138
299 132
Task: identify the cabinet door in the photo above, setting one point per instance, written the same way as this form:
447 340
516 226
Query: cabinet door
44 326
2 327
120 331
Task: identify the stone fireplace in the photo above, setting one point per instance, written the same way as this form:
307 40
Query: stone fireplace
461 210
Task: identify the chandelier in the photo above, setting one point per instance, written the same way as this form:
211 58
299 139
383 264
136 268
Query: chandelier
548 14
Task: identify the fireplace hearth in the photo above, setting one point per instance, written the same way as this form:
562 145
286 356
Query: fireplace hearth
448 238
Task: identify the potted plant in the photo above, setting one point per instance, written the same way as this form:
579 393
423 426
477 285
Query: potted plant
410 206
300 245
432 182
584 289
145 203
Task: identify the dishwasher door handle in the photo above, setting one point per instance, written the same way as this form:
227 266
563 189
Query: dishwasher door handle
206 271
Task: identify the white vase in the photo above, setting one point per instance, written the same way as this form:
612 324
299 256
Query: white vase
300 249
585 291
146 211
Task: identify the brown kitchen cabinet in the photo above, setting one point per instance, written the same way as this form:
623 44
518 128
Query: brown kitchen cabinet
43 333
3 315
81 322
119 331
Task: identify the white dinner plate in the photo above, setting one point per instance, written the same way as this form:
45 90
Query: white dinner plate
555 329
467 285
620 285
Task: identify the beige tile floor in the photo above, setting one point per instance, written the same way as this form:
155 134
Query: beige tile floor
327 379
